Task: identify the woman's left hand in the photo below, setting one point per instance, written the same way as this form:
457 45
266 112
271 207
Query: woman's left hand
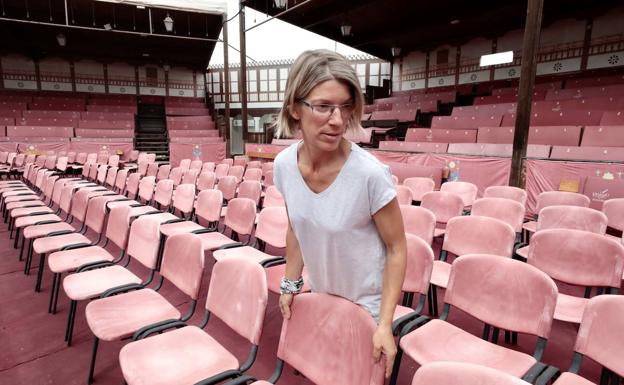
383 342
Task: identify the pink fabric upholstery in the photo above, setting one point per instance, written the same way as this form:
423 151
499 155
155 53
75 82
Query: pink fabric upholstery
208 166
170 229
111 176
514 193
467 191
439 373
144 240
251 189
190 176
418 221
164 192
241 303
183 263
209 204
272 226
163 172
253 174
97 211
196 165
272 197
214 240
404 195
146 188
18 212
444 205
206 180
572 217
419 186
185 164
49 244
43 230
176 175
577 257
506 210
152 169
419 265
69 260
241 215
245 252
31 220
237 172
552 198
440 135
221 170
227 185
132 185
614 210
473 234
184 198
316 339
120 180
568 378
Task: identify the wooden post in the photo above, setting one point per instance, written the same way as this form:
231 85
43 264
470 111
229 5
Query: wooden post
72 73
137 80
105 67
166 81
587 42
494 50
457 60
242 84
37 74
226 83
427 71
530 45
1 76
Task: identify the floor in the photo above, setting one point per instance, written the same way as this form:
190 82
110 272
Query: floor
32 350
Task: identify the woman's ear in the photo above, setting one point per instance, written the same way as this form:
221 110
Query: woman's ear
294 112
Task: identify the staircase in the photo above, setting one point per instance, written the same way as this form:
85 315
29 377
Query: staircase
151 131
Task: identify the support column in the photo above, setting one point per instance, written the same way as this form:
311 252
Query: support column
1 76
136 80
105 66
225 89
587 42
427 72
72 74
242 84
530 45
166 81
494 50
37 74
457 59
194 83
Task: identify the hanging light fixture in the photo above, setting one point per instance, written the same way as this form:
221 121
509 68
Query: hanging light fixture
396 51
61 39
280 4
168 21
345 28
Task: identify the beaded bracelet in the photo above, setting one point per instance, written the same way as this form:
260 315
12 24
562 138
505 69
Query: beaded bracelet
289 286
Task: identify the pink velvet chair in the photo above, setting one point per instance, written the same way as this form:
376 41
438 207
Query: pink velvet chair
614 210
404 194
577 258
419 186
221 170
185 164
444 205
253 174
508 192
418 221
208 166
182 266
121 181
176 175
438 373
111 176
466 190
163 172
555 198
206 180
506 210
187 354
254 164
152 169
196 165
272 197
132 185
207 208
190 176
237 172
504 294
146 189
239 219
163 193
184 200
142 169
227 185
251 189
599 338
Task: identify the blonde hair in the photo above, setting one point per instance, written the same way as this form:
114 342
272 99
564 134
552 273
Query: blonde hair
309 70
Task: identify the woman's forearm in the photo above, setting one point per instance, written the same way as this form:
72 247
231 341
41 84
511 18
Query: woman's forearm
394 272
294 260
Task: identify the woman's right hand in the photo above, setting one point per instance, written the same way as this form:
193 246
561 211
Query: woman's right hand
284 304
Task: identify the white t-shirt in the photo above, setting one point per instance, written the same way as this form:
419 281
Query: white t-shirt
342 250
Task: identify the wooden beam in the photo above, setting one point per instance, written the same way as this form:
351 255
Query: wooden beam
242 84
530 45
225 89
589 26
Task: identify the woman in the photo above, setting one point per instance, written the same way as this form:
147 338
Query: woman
344 220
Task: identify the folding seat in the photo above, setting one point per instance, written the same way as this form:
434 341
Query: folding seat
514 193
208 166
503 294
599 338
251 189
146 189
555 198
221 170
419 186
240 161
227 185
438 373
190 176
163 193
418 221
315 326
184 199
577 258
614 210
93 171
469 235
185 164
142 168
132 185
121 181
113 161
253 174
71 157
196 165
101 174
444 205
111 176
237 172
182 265
567 217
254 164
206 180
239 219
267 178
404 194
267 166
466 190
506 210
272 197
152 169
163 172
187 354
176 175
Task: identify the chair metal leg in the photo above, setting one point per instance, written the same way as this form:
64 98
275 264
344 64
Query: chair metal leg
21 254
17 235
40 272
56 282
28 257
96 342
434 299
395 367
70 322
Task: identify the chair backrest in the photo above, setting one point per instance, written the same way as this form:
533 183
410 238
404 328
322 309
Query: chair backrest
85 170
164 192
514 193
93 170
448 372
600 335
81 158
404 194
240 160
577 257
444 205
96 214
111 176
478 235
251 189
227 185
272 226
240 303
152 169
101 173
503 293
614 210
144 240
254 164
419 186
572 217
228 161
209 205
71 156
113 161
208 166
142 170
419 265
92 157
272 197
267 178
176 175
183 262
316 325
267 166
560 198
50 162
163 172
185 164
237 172
146 188
206 180
418 221
132 185
184 198
121 179
196 165
253 174
466 190
118 225
506 210
241 215
190 176
221 170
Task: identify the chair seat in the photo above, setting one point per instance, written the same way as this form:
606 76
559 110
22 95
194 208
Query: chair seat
89 284
179 357
523 252
214 240
261 383
33 219
613 237
121 315
38 231
179 228
20 212
441 341
70 260
440 273
13 192
164 217
18 198
24 203
530 226
568 378
437 232
569 308
275 274
246 252
401 311
49 244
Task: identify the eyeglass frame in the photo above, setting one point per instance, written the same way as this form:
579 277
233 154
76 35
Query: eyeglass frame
333 108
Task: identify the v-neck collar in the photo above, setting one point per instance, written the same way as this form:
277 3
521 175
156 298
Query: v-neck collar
333 183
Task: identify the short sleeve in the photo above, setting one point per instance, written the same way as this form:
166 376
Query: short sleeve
277 176
380 189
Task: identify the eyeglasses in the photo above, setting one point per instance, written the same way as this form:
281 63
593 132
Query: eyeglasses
325 111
